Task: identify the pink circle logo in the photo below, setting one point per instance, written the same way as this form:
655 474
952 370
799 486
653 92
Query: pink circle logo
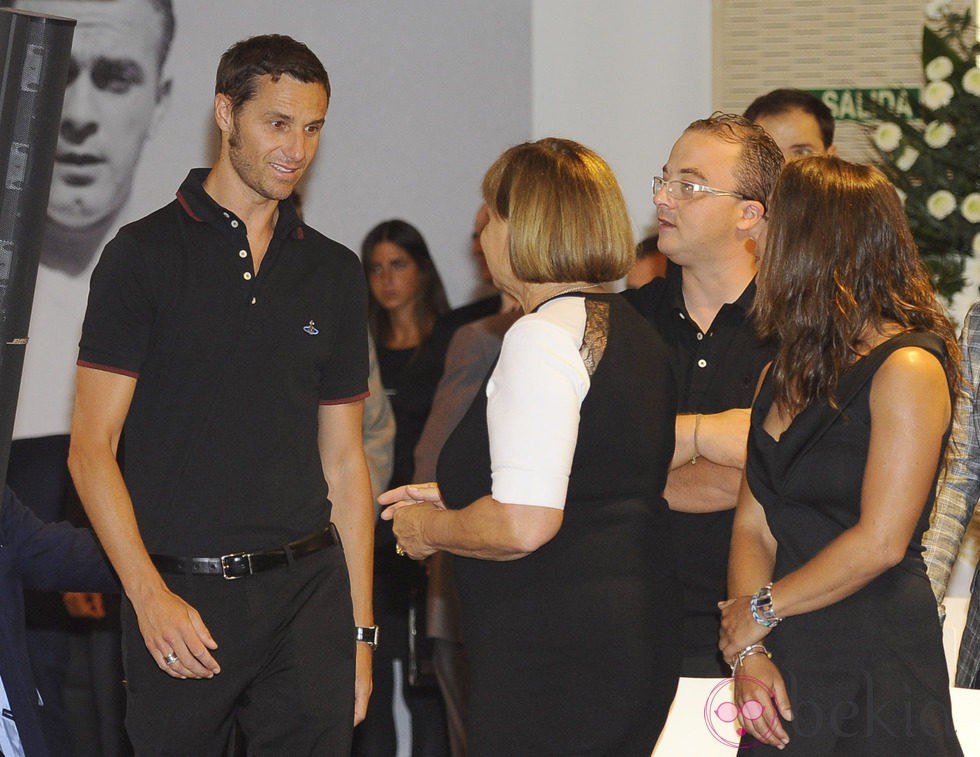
721 714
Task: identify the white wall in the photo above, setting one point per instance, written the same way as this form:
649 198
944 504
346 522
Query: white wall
623 77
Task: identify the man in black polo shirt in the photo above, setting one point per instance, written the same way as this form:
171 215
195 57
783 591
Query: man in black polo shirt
710 211
230 338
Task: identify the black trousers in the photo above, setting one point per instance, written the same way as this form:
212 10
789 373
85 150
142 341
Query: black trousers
286 650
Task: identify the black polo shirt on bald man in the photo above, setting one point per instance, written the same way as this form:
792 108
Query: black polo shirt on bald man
220 442
715 370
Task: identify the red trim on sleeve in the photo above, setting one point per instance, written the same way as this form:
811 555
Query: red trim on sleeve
346 400
107 369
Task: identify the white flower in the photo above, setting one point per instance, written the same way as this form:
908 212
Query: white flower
938 134
940 204
887 136
937 94
971 81
971 272
970 208
976 244
907 159
939 68
960 303
936 8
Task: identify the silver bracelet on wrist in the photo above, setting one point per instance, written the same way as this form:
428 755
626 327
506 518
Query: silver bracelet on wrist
750 650
762 609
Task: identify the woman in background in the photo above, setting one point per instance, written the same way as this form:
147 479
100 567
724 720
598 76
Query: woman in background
846 441
406 297
553 480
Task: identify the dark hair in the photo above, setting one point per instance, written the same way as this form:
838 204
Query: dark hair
839 259
647 246
760 159
274 55
780 101
166 9
431 302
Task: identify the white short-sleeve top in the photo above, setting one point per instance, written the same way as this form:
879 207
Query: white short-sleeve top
534 398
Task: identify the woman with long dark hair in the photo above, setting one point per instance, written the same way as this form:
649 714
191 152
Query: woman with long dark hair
846 442
405 297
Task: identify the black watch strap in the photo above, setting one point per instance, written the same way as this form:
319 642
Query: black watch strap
368 634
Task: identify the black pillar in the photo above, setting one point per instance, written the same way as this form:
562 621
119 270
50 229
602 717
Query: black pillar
34 55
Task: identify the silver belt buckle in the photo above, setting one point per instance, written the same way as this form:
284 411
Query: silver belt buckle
226 566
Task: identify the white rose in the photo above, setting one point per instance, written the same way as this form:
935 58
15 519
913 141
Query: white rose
939 68
938 134
971 81
937 94
940 204
976 243
907 159
970 208
936 8
887 136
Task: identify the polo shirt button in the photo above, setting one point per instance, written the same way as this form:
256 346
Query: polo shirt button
253 300
243 254
247 276
702 363
700 336
234 224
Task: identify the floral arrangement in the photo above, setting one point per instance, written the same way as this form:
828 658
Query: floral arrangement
935 164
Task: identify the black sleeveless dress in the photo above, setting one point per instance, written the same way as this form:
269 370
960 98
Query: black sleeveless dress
866 675
573 649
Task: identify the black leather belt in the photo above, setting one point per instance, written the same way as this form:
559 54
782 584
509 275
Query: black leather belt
241 564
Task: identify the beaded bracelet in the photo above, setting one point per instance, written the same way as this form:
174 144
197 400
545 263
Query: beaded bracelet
762 609
750 650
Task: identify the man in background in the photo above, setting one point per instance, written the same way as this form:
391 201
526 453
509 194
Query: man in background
42 556
801 123
650 263
711 203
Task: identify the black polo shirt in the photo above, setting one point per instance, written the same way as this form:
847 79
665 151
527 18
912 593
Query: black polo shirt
715 370
220 442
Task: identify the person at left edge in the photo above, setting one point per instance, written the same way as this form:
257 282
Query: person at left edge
230 339
49 557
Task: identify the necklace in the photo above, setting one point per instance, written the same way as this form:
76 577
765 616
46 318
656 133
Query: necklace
561 292
578 288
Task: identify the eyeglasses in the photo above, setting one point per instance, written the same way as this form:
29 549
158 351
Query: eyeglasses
685 190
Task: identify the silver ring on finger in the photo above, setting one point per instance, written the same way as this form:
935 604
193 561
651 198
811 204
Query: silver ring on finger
171 658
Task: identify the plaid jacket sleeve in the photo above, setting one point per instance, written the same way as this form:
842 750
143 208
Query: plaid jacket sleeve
959 487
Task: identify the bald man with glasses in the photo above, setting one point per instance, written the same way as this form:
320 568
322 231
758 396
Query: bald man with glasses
711 213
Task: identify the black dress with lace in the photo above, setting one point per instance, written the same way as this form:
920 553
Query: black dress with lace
573 649
866 675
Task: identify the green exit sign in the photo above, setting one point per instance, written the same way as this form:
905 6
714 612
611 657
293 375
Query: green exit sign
857 104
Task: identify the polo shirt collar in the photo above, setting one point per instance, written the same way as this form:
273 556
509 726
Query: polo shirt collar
675 294
201 207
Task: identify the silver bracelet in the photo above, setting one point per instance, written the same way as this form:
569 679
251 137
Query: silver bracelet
762 609
750 650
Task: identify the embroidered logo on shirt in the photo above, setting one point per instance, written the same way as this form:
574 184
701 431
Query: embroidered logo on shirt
311 328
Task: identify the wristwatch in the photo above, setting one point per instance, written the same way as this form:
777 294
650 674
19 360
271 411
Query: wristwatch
368 634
